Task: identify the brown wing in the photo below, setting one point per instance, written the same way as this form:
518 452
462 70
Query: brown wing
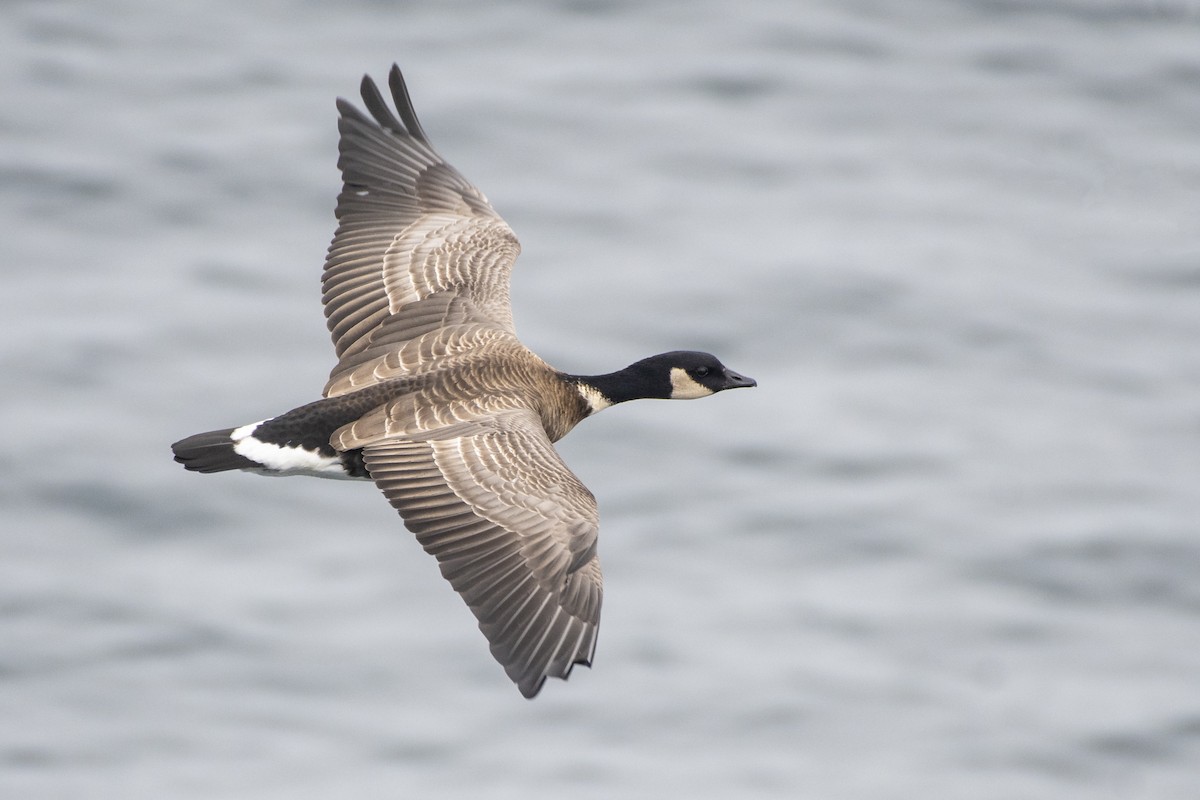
410 227
513 530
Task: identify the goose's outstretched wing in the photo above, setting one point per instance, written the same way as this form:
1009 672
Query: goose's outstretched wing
512 528
410 226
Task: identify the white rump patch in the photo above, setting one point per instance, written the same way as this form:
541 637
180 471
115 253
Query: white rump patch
279 460
684 387
595 399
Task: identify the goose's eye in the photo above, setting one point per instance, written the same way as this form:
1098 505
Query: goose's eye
700 372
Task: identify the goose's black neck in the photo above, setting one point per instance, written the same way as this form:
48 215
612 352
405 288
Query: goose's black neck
631 383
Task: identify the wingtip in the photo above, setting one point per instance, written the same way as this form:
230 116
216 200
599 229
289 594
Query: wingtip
369 92
530 688
404 105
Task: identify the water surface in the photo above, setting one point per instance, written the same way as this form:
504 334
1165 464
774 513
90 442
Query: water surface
948 547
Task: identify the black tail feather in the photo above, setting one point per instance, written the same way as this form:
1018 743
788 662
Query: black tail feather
210 452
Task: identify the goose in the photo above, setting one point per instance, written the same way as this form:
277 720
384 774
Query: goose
435 400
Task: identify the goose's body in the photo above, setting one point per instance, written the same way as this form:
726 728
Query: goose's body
435 400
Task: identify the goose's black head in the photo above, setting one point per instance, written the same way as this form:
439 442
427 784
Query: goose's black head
678 375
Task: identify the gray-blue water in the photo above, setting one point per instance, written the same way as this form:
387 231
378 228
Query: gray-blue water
950 547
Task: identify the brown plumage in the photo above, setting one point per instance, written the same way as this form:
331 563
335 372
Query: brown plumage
435 399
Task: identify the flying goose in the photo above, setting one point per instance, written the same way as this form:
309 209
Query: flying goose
435 400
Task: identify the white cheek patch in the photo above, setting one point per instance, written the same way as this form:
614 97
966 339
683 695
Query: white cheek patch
279 460
683 387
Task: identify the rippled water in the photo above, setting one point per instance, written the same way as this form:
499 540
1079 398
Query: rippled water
948 548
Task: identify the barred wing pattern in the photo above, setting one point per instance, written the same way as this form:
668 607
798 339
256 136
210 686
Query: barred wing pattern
416 286
410 226
513 530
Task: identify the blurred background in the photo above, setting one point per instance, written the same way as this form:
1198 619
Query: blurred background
948 548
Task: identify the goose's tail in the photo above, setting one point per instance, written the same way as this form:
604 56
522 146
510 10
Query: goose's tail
211 452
